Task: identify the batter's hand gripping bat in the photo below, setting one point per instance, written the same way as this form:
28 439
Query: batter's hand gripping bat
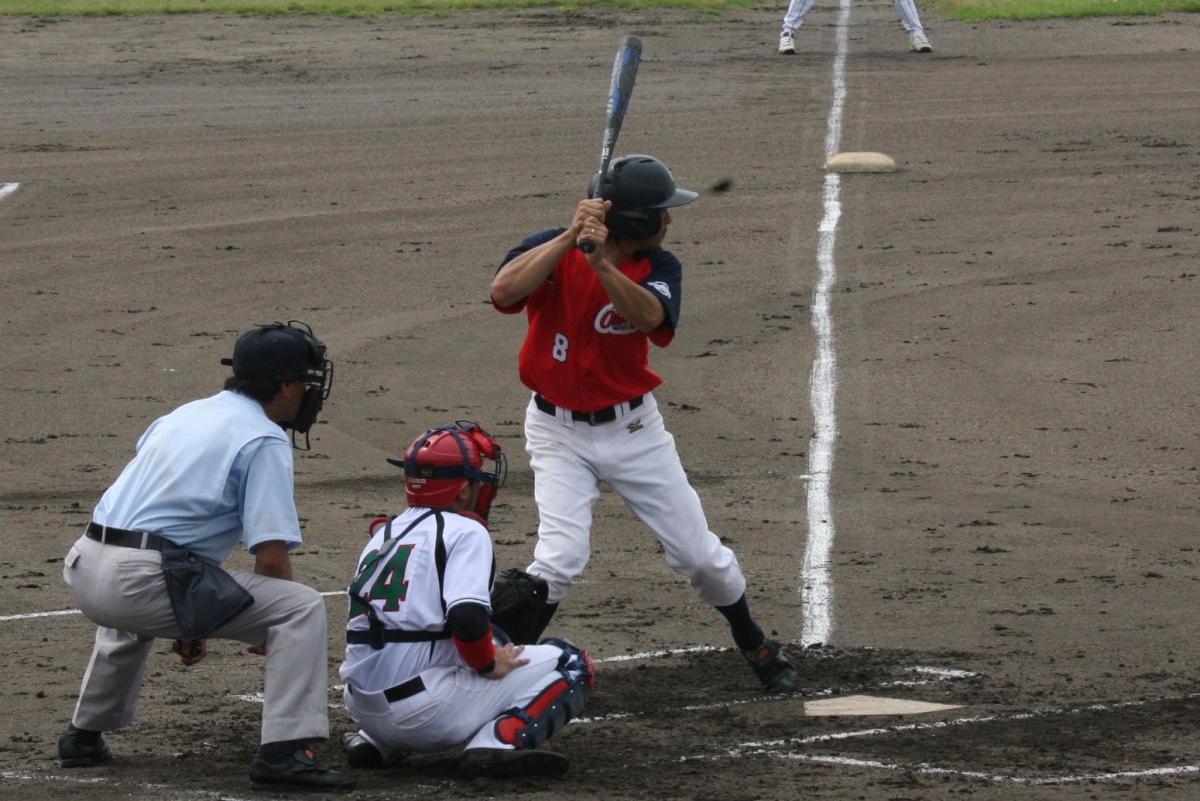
620 90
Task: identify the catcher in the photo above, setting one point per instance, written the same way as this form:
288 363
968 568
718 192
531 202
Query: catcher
425 667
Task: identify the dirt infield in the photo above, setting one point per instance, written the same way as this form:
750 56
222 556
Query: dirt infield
1016 483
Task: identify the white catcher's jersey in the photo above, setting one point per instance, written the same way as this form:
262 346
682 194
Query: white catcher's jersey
399 578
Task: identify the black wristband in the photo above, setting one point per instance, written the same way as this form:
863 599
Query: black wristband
488 668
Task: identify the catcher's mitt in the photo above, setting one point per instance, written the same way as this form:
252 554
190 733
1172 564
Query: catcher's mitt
517 602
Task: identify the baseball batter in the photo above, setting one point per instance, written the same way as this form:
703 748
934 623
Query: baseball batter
211 474
423 671
593 416
910 20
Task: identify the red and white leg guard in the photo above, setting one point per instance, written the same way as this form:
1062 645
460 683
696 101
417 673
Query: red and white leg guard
555 706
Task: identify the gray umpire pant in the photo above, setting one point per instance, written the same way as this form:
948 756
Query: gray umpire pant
122 590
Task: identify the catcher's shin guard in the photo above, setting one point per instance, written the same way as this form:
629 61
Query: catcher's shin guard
555 706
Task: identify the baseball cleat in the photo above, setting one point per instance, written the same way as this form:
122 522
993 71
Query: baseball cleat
82 749
772 667
299 771
919 43
508 763
362 753
787 45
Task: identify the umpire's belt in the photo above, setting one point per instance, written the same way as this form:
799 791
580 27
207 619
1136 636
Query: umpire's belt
107 535
605 415
405 689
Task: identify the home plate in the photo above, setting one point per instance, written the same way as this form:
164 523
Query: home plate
871 705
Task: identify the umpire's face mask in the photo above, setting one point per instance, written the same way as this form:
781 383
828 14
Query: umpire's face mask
318 384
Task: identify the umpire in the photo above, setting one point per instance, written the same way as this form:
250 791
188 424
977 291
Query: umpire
211 474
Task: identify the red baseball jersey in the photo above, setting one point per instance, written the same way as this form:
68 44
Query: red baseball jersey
579 352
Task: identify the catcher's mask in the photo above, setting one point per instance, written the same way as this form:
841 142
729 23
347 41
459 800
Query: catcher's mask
442 460
287 352
640 187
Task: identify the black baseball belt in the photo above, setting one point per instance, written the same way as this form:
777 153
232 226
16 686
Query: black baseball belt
405 689
605 415
124 538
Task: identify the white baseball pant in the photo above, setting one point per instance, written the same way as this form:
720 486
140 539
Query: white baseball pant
798 10
636 456
456 706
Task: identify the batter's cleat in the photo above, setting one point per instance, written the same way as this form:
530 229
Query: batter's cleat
299 771
919 43
362 753
787 45
82 749
772 667
508 763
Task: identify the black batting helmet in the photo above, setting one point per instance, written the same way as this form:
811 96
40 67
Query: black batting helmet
640 187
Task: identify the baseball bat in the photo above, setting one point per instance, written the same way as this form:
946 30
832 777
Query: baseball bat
620 90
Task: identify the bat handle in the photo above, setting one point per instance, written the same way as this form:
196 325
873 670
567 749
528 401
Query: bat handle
587 246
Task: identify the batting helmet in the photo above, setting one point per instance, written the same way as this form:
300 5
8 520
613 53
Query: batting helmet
442 460
640 187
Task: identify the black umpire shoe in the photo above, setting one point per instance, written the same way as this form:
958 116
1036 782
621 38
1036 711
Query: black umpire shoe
504 763
299 771
772 667
82 749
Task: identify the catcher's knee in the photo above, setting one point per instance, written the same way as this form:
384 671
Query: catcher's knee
556 705
575 664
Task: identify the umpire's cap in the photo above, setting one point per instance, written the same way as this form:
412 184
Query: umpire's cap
643 182
278 352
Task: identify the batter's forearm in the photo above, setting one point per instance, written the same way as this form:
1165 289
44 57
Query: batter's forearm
632 301
521 276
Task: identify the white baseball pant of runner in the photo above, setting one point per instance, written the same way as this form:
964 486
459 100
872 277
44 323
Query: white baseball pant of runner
455 707
909 17
636 456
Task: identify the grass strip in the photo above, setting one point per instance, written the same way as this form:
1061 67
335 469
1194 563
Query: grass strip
983 10
340 8
964 10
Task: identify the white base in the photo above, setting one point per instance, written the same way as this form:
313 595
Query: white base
870 705
861 162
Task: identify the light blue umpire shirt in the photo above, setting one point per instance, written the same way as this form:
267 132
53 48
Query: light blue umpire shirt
212 472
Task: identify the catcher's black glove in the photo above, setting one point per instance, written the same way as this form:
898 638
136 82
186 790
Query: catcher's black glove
517 602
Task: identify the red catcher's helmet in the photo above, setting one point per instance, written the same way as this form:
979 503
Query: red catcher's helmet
442 460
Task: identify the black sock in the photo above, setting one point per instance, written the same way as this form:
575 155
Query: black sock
278 751
746 633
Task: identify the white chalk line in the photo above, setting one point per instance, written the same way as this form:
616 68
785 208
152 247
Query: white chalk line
32 615
693 649
816 593
775 748
962 721
7 189
60 612
996 778
942 675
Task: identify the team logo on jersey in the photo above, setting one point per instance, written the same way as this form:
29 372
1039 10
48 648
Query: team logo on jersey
609 321
636 425
661 288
